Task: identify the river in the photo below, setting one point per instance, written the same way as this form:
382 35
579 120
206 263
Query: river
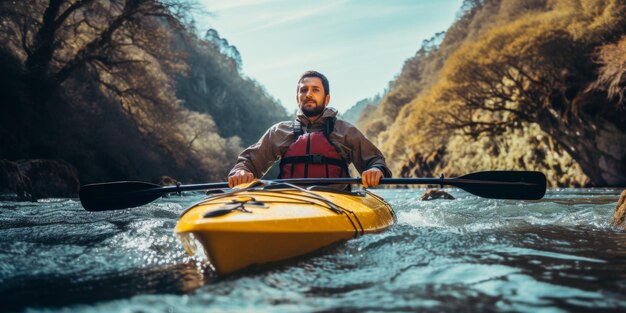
558 254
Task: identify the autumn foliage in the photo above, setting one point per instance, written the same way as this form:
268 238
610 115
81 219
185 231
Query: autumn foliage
533 85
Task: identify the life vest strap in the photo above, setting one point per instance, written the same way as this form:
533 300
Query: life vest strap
313 159
297 129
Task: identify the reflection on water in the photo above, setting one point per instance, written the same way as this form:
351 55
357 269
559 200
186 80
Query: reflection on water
558 254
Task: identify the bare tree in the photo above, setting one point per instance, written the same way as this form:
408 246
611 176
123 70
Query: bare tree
514 81
58 37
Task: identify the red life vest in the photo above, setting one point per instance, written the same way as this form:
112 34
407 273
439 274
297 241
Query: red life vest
312 155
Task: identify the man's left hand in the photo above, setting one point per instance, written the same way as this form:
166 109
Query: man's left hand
371 177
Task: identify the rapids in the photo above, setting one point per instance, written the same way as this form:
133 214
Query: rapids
471 254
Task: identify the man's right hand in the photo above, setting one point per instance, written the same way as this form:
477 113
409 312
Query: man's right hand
240 177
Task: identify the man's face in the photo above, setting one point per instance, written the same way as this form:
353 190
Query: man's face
310 97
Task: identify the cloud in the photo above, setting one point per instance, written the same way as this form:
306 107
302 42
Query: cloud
271 13
301 14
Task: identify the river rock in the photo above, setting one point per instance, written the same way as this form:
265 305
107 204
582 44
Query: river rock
14 185
51 178
168 181
620 211
432 194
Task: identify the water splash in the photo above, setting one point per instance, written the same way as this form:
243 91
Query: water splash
556 254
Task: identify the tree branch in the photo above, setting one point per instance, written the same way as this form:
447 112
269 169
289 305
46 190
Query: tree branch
130 8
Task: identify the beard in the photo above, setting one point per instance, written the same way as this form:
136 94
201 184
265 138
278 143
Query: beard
314 111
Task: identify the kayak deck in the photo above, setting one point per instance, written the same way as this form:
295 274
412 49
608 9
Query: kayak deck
258 225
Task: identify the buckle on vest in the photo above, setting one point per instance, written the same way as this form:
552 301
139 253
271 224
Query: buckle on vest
315 158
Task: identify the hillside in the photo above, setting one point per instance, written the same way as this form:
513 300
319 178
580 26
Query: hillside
353 114
533 85
124 90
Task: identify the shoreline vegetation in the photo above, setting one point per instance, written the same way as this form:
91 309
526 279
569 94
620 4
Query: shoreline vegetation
527 85
29 180
101 91
125 90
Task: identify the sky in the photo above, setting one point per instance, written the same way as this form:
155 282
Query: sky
360 45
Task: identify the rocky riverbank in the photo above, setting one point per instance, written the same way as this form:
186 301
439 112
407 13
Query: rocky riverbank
29 180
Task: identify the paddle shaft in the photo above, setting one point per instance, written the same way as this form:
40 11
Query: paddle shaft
396 181
518 185
304 181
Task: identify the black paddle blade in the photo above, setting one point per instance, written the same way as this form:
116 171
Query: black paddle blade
118 195
515 185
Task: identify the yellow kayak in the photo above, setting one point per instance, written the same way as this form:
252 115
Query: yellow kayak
259 224
266 221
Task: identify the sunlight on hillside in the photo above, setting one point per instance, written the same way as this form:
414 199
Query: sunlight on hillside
510 90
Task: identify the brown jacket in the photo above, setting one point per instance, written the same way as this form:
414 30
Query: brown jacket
354 147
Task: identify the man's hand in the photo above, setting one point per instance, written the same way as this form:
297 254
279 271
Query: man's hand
371 177
240 177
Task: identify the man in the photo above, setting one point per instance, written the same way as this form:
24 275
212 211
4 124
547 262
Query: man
315 145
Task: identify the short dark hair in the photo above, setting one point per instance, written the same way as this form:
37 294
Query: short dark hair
318 75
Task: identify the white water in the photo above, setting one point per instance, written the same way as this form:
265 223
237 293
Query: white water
558 254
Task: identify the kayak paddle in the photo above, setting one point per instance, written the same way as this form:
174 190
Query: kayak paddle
515 185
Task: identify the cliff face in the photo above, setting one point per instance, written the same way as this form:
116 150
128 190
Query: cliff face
534 85
124 90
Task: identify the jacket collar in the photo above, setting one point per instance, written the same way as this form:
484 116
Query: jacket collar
328 113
